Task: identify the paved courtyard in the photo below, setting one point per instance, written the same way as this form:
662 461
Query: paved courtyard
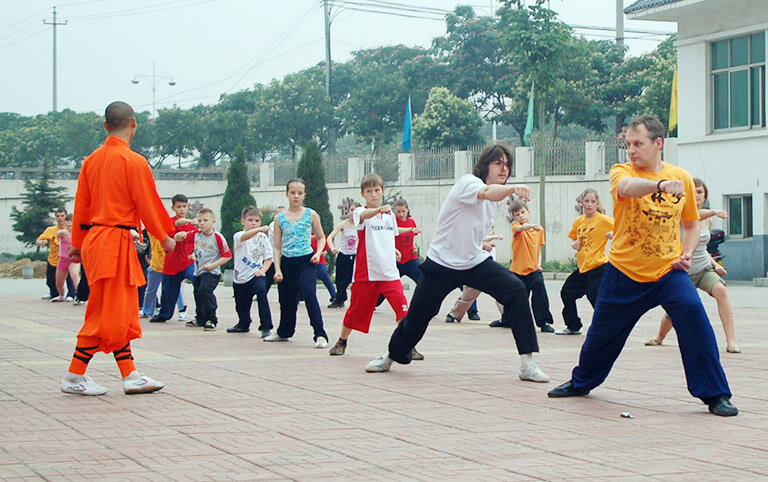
237 408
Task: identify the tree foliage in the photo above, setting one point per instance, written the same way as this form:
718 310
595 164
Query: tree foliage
236 196
40 198
311 170
447 121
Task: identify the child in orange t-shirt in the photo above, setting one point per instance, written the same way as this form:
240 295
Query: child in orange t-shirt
590 233
527 240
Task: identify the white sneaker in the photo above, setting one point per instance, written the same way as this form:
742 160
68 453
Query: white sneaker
274 337
380 364
533 373
85 387
141 384
321 342
182 316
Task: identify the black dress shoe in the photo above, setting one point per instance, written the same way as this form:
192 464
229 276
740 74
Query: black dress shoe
499 324
547 328
722 406
449 318
157 319
565 390
237 329
472 315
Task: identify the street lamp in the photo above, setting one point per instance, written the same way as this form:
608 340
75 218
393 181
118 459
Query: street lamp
153 80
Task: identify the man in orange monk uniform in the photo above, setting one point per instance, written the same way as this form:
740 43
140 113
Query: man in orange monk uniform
115 190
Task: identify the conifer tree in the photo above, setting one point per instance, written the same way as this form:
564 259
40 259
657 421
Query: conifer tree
311 170
41 198
236 196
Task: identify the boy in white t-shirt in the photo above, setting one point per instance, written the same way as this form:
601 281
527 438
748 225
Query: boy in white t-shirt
456 257
253 257
376 271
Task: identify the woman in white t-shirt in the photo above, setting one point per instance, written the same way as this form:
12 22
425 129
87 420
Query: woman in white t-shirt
456 257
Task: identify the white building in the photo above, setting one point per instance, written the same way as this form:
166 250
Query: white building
721 104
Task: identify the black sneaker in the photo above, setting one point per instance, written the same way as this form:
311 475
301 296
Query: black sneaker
157 319
449 318
547 328
193 323
237 329
473 315
722 406
209 326
336 304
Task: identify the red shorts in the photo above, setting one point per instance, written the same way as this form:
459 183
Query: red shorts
363 298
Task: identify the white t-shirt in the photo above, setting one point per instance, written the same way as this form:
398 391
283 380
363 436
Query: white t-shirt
462 224
375 259
250 255
347 240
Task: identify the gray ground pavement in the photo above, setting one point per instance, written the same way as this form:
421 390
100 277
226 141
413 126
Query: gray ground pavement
235 408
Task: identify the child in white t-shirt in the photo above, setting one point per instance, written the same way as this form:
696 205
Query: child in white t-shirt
253 257
375 264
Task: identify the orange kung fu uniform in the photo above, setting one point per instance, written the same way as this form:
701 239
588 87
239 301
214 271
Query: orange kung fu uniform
115 190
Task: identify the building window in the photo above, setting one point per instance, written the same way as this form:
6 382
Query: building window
740 216
738 82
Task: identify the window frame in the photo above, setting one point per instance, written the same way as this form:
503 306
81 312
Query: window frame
726 74
744 216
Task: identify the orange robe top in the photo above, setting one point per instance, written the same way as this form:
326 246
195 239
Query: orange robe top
115 188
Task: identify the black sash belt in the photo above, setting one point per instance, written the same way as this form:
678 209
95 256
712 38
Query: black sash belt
86 227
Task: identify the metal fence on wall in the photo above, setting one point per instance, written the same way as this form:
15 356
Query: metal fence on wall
560 157
614 152
430 164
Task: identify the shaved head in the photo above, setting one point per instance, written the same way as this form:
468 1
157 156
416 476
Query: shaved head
118 115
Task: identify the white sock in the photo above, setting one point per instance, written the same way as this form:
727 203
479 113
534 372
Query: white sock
134 375
74 378
525 360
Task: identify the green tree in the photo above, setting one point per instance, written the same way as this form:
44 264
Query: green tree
177 131
40 199
236 196
311 169
447 121
79 135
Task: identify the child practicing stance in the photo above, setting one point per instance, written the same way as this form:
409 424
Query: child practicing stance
322 270
253 257
345 255
211 251
590 233
178 264
527 240
295 269
65 267
375 270
706 275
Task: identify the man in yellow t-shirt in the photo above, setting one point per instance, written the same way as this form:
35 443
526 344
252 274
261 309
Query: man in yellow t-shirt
50 237
647 268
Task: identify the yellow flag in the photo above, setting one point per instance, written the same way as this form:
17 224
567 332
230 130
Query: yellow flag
673 103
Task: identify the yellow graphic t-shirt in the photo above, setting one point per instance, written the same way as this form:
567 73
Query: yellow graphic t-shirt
646 230
590 232
51 233
526 246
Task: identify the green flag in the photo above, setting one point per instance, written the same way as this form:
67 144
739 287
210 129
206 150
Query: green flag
529 122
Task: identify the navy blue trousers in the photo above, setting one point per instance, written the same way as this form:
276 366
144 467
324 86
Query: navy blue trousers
299 279
621 301
244 293
345 266
171 285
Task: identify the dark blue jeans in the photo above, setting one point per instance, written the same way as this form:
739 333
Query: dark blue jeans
621 301
299 278
534 284
322 275
171 285
244 293
434 285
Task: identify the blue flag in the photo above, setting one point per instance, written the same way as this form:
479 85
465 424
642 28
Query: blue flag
407 127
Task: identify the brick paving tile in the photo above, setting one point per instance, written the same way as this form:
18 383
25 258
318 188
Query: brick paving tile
236 408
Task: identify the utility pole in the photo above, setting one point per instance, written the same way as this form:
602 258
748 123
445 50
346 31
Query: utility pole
331 126
620 22
54 23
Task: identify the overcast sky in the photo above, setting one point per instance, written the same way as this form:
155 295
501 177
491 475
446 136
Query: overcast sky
211 47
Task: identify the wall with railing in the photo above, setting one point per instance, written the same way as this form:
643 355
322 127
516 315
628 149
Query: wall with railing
423 178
